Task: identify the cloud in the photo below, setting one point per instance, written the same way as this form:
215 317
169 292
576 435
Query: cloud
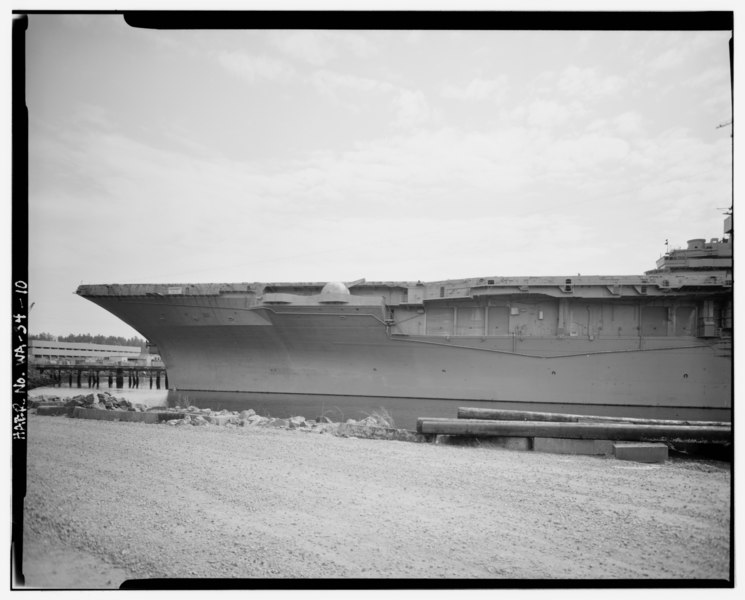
307 46
677 50
549 114
349 91
714 85
587 83
719 105
87 115
425 169
668 59
413 109
360 46
79 20
256 68
715 76
477 89
572 156
380 210
320 47
414 37
327 81
626 125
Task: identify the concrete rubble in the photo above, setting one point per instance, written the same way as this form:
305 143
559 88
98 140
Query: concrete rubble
82 406
50 404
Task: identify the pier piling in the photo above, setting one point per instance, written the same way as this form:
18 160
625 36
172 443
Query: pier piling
78 375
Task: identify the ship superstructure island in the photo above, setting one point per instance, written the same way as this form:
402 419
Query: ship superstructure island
657 345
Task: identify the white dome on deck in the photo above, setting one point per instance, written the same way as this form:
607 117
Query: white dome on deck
335 287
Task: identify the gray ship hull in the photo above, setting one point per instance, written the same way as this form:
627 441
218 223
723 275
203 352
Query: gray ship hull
285 346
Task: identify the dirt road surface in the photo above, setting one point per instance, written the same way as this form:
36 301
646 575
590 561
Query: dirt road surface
108 501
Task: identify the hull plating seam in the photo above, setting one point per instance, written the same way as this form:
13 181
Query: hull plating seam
428 398
553 356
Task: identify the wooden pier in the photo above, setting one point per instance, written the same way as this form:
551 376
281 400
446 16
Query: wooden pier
114 374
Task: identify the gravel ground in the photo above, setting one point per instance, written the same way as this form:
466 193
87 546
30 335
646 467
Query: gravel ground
107 501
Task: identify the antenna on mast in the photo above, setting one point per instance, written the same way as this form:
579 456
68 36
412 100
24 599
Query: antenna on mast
730 122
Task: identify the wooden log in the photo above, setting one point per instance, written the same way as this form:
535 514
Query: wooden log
497 414
587 431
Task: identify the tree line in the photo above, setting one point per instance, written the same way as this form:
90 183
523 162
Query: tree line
87 338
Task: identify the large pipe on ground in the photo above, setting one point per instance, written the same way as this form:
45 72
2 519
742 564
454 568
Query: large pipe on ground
497 414
586 431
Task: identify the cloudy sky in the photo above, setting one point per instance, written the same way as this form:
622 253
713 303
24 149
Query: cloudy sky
310 155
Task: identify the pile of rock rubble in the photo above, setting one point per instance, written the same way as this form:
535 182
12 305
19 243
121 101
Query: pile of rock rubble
372 426
193 415
100 400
